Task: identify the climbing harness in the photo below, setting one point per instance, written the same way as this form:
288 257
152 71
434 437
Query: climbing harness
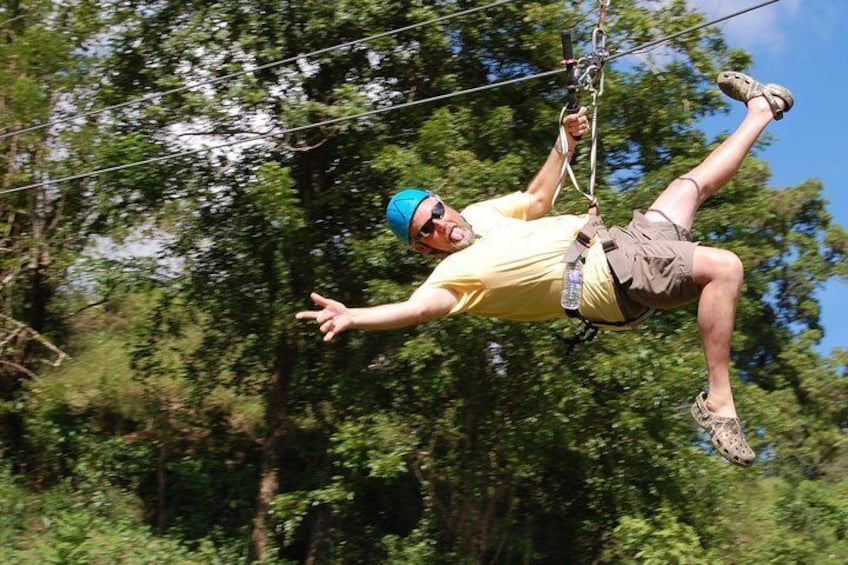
583 334
587 74
595 230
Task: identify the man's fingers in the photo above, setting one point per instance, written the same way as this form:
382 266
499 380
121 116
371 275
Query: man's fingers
319 300
324 316
327 303
577 124
576 116
330 318
319 316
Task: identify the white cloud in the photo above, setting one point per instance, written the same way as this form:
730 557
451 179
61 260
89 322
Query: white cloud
763 28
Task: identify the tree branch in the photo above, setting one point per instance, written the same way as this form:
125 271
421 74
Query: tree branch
103 300
25 329
20 368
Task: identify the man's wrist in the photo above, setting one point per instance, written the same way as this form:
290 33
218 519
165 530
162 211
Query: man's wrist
558 146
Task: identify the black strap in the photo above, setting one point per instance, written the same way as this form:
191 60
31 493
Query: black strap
583 238
609 245
576 252
584 334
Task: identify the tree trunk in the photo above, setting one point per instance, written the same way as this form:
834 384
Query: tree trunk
318 538
161 470
161 486
276 418
268 487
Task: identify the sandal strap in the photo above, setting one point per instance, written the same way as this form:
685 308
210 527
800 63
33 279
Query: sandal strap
776 110
700 411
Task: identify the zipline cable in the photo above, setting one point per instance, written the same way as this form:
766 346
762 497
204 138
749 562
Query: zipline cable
360 115
296 129
293 59
688 30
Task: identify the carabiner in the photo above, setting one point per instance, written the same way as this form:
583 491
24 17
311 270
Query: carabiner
599 41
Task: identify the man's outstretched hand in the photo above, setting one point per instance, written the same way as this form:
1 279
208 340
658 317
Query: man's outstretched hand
332 319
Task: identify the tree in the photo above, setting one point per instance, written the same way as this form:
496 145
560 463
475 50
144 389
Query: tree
466 440
46 71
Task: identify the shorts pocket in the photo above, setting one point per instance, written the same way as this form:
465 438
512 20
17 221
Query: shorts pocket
659 281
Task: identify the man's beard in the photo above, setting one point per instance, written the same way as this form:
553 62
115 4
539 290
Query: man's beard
468 237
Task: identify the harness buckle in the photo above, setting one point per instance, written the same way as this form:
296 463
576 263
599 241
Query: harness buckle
584 334
584 239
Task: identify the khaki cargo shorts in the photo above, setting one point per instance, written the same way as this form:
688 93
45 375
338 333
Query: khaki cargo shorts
654 263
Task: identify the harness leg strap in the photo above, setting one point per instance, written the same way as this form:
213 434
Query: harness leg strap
594 228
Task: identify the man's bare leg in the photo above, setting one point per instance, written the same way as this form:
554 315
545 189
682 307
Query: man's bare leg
680 201
719 273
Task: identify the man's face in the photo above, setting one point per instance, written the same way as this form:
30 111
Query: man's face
438 228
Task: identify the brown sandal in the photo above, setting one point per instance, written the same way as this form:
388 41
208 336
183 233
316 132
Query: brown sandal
742 87
725 433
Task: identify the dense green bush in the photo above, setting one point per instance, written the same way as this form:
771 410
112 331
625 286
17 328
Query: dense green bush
73 525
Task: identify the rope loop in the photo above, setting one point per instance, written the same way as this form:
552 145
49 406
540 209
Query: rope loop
590 77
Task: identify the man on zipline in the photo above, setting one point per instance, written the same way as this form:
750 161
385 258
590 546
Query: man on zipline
502 258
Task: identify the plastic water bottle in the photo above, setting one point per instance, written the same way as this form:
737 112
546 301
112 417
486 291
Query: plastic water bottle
572 285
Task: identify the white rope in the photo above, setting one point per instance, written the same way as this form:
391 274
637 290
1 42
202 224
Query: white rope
591 73
598 39
567 170
593 153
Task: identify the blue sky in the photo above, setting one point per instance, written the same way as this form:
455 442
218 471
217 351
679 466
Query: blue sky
804 45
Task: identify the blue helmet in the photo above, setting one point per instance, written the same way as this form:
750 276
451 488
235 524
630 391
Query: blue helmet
402 208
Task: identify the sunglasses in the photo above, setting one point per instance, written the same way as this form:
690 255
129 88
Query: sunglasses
437 213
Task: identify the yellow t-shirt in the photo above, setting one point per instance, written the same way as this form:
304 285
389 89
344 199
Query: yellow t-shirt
514 269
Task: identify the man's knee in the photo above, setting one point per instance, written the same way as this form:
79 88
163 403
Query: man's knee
732 266
718 264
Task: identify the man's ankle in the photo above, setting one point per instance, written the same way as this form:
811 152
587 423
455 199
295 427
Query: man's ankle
720 407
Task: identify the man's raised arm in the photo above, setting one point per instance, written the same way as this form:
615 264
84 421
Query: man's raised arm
543 185
334 317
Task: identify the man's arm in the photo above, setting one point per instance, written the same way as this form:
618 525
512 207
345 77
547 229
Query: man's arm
543 185
334 317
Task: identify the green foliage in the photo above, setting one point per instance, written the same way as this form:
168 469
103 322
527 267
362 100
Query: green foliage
290 509
70 525
197 415
418 548
797 522
657 540
817 513
374 446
